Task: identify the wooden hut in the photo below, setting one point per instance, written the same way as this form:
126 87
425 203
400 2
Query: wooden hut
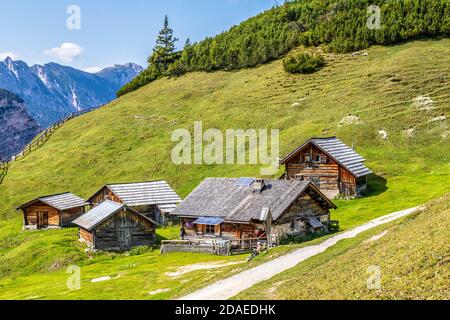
249 208
154 199
54 211
332 166
113 226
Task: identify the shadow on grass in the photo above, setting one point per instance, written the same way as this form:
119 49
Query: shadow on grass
376 186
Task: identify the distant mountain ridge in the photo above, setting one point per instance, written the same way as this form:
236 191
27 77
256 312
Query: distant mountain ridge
53 91
17 127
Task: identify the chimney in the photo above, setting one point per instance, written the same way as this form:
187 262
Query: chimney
259 185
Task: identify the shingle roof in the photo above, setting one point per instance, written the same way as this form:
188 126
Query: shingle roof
102 212
228 199
60 202
340 152
144 193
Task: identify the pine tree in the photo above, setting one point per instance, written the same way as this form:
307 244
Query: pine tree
164 53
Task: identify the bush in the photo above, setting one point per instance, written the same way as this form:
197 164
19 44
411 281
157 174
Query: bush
304 63
137 251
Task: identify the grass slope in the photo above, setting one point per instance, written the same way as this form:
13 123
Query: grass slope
413 256
130 139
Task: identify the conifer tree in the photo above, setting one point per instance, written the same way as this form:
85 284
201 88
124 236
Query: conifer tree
164 53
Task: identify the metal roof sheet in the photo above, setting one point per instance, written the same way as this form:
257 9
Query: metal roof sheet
167 208
97 215
315 223
209 221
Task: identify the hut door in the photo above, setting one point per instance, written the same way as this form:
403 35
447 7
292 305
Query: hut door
124 239
42 219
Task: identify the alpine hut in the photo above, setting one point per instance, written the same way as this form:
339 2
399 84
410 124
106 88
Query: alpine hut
53 211
154 199
331 165
112 226
249 208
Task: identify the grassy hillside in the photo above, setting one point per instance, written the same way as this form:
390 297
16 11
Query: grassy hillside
341 25
413 256
401 89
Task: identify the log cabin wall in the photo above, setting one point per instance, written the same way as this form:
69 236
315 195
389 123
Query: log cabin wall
124 231
154 213
347 183
226 231
69 215
31 215
293 220
103 195
314 165
197 230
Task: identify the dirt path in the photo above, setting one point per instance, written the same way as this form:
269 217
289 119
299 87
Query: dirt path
231 286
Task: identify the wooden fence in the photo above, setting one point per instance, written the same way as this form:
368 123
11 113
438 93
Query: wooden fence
220 248
38 141
211 246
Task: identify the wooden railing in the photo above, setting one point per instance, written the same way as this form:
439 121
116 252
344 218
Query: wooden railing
207 246
38 141
211 246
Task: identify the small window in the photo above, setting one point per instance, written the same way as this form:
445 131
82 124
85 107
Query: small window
318 158
210 229
307 159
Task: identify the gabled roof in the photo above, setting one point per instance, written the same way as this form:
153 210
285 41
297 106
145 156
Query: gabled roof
102 212
63 201
340 152
236 202
143 193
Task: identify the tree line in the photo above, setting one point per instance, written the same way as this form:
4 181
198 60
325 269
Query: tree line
340 25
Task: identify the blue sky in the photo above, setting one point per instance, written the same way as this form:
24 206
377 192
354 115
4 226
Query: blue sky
112 31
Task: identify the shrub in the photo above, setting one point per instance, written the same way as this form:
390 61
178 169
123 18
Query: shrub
304 63
137 251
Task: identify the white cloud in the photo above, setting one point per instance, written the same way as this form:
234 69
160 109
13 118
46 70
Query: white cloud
4 55
93 69
67 52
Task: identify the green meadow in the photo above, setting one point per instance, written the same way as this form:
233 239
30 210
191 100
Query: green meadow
396 96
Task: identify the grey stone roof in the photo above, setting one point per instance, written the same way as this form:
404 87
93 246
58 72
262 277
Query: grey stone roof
63 201
340 152
102 212
235 201
144 193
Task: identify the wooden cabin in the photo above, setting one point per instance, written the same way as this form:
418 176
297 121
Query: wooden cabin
54 211
112 226
248 208
155 199
332 166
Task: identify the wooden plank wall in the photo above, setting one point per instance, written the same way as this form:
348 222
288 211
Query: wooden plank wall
86 236
327 175
104 194
293 220
141 231
31 214
69 215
